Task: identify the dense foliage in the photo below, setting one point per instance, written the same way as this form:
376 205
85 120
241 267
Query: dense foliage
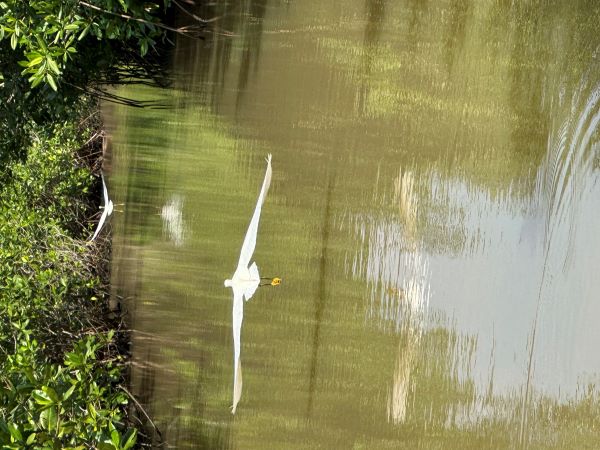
53 50
59 369
60 366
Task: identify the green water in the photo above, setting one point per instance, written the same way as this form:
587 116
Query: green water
433 215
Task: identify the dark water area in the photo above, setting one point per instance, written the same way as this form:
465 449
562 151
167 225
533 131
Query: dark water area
433 213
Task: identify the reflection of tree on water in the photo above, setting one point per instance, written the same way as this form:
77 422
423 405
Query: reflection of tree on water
459 12
172 216
437 384
431 384
393 262
397 273
415 298
375 12
211 61
418 19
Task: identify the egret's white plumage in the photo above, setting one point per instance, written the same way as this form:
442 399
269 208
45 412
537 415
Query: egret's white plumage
108 208
245 282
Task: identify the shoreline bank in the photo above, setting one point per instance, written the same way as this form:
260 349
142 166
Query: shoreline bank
64 369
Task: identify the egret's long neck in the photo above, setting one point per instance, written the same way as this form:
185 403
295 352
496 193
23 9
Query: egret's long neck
228 283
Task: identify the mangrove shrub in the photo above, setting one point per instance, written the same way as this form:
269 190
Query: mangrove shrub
53 50
60 370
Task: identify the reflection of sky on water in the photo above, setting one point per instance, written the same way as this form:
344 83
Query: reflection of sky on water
489 286
498 266
172 216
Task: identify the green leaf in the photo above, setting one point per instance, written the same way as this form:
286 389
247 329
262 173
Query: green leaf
144 47
29 374
106 446
41 397
51 393
51 82
41 43
35 80
13 41
53 66
15 433
35 61
69 392
70 42
33 55
92 411
129 439
84 33
48 418
115 437
31 438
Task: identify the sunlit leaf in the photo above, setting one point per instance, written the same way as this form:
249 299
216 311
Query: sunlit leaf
48 418
41 397
50 393
53 66
115 437
35 62
84 33
51 82
31 438
129 439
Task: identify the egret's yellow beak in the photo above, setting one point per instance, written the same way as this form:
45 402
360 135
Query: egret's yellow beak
275 281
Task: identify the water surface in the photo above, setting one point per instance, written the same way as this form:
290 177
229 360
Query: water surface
433 214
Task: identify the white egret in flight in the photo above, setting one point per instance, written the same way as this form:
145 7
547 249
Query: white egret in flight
108 208
244 282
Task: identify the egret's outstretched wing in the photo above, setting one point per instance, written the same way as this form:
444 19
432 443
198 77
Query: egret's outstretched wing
238 316
100 223
108 208
250 239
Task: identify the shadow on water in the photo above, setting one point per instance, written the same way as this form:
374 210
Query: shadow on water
321 297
